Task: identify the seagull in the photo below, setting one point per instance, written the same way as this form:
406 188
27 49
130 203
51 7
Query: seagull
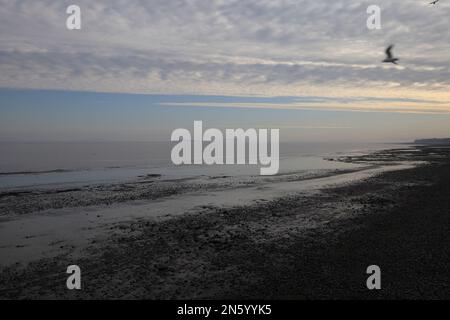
434 2
389 57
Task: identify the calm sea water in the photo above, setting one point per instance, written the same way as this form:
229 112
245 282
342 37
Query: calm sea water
26 164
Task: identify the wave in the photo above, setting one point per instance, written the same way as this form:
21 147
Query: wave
35 172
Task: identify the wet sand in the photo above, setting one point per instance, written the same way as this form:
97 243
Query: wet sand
263 240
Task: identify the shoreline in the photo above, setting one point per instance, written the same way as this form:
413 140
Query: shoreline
46 223
235 249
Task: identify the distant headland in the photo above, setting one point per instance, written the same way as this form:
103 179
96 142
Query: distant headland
443 141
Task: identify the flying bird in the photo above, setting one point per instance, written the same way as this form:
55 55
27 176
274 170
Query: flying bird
434 2
389 57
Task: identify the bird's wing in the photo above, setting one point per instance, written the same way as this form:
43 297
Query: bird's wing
388 51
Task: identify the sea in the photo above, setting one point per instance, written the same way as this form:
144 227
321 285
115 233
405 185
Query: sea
31 164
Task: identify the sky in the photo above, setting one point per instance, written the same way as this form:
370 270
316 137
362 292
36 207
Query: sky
139 69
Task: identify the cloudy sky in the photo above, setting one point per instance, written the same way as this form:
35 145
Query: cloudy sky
319 55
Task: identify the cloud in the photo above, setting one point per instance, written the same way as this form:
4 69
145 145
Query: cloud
234 47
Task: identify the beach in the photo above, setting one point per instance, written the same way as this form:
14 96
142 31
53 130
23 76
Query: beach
291 236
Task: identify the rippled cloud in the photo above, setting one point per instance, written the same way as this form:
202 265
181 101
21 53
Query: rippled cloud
245 47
